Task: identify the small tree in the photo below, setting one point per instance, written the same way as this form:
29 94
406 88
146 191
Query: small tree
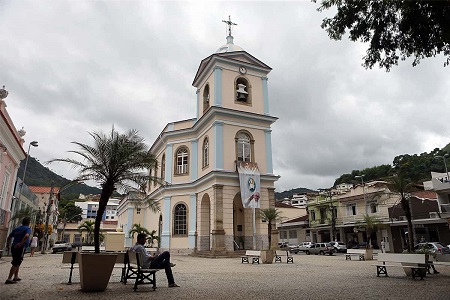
87 226
153 237
370 223
116 161
137 228
270 215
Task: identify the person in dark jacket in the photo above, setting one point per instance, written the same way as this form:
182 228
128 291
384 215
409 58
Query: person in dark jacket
19 237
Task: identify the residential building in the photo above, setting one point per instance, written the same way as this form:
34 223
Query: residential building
218 165
295 230
90 210
11 153
440 183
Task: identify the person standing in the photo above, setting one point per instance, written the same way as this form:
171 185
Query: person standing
19 237
161 261
33 245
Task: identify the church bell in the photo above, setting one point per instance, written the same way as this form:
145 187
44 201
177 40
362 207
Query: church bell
241 93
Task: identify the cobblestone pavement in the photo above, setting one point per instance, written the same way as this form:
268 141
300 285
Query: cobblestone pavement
310 277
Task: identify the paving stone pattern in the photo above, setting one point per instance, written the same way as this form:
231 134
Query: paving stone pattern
310 277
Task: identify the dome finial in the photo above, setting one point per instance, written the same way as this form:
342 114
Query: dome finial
229 23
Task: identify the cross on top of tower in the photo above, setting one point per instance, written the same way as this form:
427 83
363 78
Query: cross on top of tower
229 23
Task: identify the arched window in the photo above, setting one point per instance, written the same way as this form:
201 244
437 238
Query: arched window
244 147
180 219
243 91
206 98
182 158
205 152
163 167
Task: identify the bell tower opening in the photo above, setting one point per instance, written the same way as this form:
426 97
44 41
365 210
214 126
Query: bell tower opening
243 91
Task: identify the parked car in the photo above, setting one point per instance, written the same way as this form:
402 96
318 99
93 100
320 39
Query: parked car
304 246
285 246
294 249
361 245
434 247
339 246
61 246
320 248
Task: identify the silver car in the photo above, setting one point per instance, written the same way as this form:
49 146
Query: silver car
320 248
339 246
434 247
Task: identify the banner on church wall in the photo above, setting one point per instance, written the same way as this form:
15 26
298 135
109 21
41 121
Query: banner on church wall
249 180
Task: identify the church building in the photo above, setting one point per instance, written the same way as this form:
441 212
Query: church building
217 166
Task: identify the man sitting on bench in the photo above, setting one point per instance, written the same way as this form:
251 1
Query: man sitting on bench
161 261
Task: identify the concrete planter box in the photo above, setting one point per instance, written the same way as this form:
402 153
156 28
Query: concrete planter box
95 270
267 256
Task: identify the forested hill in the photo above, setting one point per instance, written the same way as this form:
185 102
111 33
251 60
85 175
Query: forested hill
39 175
290 193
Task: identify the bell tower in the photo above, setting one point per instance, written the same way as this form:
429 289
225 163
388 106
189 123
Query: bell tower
232 78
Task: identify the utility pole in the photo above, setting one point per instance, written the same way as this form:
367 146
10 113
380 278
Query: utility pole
47 218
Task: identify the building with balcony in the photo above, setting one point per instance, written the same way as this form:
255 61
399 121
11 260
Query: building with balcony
11 153
440 183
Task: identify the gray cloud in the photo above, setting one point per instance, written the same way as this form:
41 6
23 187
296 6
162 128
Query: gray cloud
75 67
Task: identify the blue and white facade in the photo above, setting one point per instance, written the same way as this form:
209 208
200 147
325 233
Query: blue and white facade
201 206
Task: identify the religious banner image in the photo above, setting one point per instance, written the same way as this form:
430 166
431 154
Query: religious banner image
249 180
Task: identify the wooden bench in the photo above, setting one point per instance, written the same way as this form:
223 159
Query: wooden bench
281 253
136 271
416 262
71 257
355 252
254 254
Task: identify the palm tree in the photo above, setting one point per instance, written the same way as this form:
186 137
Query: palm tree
370 223
25 212
116 161
403 186
137 228
87 226
153 237
270 215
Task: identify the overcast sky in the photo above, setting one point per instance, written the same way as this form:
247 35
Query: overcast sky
72 67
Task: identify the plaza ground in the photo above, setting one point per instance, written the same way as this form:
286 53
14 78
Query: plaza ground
310 277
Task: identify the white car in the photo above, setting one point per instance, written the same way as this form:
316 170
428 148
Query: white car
305 246
61 246
339 246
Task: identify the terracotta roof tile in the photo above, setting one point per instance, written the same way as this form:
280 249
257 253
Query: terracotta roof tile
299 219
43 189
425 194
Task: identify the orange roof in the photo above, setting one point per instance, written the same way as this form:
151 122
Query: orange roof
43 189
425 194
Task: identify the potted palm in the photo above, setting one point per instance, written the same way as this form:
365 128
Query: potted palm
269 215
115 161
370 223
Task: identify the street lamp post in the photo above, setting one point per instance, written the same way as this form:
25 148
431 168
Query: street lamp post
444 157
34 144
364 190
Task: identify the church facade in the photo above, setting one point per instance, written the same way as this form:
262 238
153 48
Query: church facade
201 207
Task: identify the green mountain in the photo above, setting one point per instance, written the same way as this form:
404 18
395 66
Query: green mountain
39 175
290 193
